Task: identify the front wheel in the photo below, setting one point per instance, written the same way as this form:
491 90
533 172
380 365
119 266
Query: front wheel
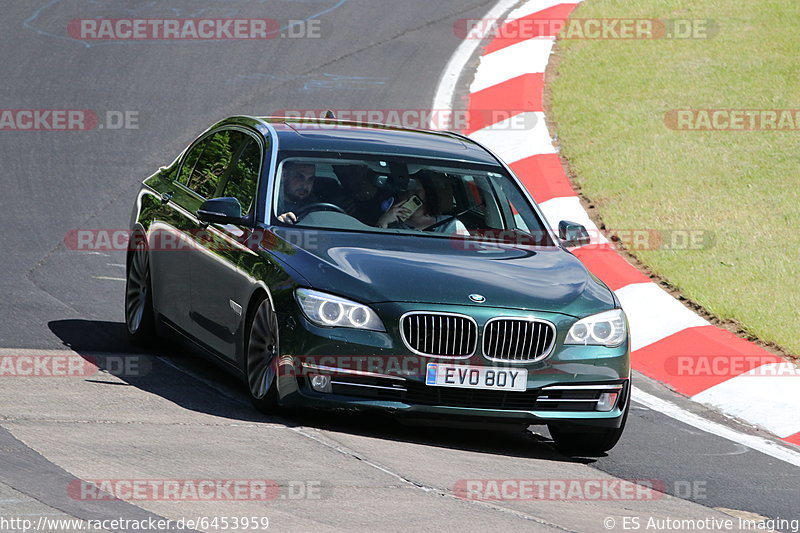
261 357
139 314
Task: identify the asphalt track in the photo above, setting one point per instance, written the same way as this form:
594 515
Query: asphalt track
182 419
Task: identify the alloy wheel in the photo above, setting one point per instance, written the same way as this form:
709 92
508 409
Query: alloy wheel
137 289
262 348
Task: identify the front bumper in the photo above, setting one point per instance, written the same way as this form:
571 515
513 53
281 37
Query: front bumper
376 371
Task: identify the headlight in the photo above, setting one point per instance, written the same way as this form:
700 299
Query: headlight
603 329
332 311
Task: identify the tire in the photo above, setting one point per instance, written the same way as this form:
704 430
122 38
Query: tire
261 357
140 319
589 441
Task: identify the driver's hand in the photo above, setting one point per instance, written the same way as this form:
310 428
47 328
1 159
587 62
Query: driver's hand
288 218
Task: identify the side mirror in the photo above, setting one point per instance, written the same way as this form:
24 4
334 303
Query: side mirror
225 210
572 234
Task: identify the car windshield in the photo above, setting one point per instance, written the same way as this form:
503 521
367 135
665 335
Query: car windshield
396 195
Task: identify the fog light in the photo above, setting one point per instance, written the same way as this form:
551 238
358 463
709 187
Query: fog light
607 401
321 383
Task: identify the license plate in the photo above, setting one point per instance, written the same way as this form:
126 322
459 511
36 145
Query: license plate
476 377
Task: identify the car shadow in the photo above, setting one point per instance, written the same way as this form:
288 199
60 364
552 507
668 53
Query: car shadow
512 441
169 370
182 376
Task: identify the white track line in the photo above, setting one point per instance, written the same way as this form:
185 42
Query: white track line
534 6
109 278
759 444
458 61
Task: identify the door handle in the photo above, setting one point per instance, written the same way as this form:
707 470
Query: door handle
166 197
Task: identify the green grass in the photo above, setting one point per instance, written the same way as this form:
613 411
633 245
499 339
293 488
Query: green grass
608 101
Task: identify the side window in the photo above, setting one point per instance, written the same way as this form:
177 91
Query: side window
518 211
242 177
519 221
212 162
191 161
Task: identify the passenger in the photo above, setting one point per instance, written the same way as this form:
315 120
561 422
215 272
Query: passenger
297 182
428 214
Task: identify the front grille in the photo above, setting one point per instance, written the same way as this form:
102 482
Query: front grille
422 394
510 339
439 334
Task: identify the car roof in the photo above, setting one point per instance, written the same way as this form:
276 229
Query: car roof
328 135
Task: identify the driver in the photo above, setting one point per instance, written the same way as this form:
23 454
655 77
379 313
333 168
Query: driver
298 182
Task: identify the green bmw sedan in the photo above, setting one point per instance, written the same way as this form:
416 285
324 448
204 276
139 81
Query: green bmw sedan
340 265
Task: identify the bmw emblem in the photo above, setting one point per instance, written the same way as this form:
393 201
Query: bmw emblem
477 298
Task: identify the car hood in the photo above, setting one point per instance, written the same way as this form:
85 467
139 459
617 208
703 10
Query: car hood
373 268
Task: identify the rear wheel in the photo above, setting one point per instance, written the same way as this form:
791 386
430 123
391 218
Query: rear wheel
261 358
139 313
589 441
